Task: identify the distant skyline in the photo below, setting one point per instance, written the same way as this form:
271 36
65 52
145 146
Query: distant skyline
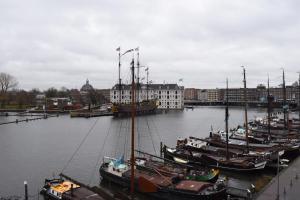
48 43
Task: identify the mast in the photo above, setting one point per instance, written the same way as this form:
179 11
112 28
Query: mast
226 120
138 76
147 88
132 160
284 101
299 95
120 89
246 107
269 108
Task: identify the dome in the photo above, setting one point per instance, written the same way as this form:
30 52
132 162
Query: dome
87 87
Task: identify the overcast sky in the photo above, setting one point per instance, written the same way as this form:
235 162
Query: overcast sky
59 43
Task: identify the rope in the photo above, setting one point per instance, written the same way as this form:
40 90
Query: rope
99 155
125 136
151 136
81 143
118 139
156 130
138 134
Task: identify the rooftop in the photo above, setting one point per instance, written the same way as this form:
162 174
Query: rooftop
150 86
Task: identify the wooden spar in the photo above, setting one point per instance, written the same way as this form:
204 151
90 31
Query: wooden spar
132 159
147 69
165 159
120 89
226 120
138 77
269 108
284 101
246 107
299 95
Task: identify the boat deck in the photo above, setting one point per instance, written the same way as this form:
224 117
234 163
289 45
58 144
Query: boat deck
82 193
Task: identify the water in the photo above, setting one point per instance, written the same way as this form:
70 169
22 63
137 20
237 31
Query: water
36 150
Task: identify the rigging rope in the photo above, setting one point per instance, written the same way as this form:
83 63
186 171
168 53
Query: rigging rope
99 155
156 130
151 136
126 132
138 134
118 139
81 143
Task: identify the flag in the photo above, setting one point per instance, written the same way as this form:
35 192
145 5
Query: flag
118 49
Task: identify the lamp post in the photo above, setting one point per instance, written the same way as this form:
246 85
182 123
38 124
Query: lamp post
120 83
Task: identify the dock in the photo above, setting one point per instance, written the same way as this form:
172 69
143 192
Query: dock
88 114
289 184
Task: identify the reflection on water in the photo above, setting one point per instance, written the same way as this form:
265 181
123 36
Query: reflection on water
40 149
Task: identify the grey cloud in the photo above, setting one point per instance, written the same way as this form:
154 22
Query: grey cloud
61 43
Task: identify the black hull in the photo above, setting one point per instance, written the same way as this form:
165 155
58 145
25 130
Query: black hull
162 193
143 108
205 161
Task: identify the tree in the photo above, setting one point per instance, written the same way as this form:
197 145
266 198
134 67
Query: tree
51 92
7 82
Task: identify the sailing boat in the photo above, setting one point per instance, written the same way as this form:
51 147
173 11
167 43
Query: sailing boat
142 107
155 184
199 153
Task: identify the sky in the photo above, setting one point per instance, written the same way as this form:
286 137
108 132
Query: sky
60 43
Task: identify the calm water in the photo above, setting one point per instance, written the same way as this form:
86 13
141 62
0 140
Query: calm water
40 149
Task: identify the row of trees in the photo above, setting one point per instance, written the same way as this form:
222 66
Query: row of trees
11 96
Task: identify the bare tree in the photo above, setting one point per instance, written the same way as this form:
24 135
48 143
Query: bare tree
7 82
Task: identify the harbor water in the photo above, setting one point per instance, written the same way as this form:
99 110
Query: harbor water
35 150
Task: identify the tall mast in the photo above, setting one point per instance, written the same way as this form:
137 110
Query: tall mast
147 88
138 76
284 101
132 160
269 108
299 95
120 89
246 107
226 120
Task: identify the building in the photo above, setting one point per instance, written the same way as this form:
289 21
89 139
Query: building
202 95
87 94
190 94
213 95
169 96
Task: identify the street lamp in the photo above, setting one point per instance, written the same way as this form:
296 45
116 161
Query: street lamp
120 55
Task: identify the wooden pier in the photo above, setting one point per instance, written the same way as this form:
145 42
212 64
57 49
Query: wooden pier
289 184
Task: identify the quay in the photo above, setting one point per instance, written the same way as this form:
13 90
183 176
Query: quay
289 184
88 114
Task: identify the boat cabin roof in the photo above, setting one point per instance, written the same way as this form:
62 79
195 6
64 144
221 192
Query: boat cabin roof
64 186
192 186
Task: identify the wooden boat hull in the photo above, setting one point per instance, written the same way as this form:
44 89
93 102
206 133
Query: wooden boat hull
206 161
161 193
142 108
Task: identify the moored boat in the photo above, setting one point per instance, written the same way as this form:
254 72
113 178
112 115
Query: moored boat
216 161
62 189
160 186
